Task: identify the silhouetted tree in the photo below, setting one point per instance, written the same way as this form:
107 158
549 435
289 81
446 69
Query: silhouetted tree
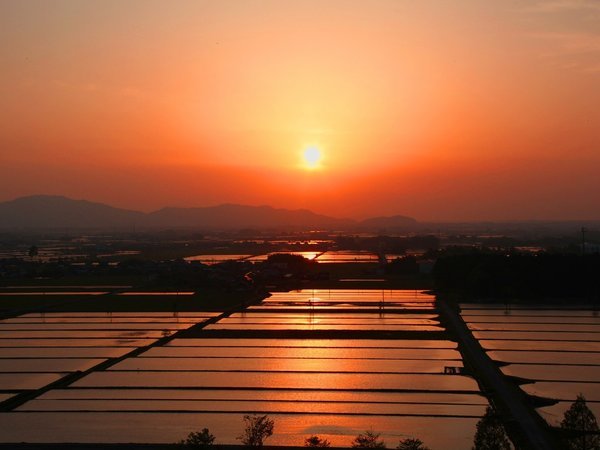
368 439
534 277
578 422
258 428
490 434
411 444
406 265
199 439
291 261
316 441
33 251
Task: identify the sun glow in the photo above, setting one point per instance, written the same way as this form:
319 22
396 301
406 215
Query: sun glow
312 157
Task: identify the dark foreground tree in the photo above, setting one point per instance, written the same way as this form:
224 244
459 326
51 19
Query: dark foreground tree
368 439
490 434
316 441
579 425
33 251
411 444
258 428
199 439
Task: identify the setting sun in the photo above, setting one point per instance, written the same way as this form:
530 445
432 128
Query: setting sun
288 220
312 157
394 102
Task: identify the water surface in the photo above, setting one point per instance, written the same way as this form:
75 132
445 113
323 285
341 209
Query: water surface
555 414
71 342
286 380
564 390
259 407
63 352
46 365
450 433
546 357
304 352
285 365
545 372
292 395
311 343
557 348
560 336
19 381
320 326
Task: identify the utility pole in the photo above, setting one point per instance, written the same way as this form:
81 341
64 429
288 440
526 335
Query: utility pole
583 231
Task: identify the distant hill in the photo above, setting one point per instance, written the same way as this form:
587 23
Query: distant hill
389 223
240 216
47 212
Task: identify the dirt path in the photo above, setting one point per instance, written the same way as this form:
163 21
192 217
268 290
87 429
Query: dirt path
506 396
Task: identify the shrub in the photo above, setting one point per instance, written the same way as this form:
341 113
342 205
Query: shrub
368 439
578 421
490 434
411 444
199 439
258 428
316 441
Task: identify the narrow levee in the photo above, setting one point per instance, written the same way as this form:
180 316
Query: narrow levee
529 429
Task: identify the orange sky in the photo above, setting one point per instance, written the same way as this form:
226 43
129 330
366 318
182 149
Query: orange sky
461 110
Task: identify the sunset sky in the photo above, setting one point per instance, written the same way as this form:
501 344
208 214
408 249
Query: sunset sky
441 110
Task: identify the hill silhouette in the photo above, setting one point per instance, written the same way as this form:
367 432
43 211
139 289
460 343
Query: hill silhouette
241 216
50 212
389 223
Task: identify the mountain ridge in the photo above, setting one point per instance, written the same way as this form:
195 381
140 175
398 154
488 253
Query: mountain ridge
55 211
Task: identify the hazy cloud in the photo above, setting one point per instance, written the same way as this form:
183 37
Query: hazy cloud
570 30
553 6
573 43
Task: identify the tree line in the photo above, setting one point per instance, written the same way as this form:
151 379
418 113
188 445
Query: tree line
525 276
578 431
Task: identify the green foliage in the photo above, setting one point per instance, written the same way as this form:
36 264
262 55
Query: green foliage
258 428
490 434
411 444
577 423
316 441
199 439
368 439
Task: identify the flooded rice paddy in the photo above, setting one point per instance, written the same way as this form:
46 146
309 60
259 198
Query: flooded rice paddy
347 256
335 387
374 301
39 348
556 351
327 257
313 321
216 259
